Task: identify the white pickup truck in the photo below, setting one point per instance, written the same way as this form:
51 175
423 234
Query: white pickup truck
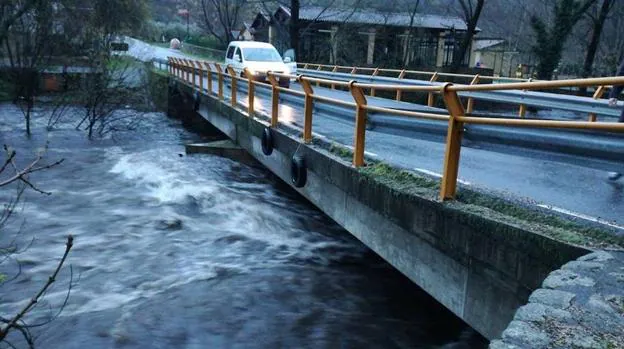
259 58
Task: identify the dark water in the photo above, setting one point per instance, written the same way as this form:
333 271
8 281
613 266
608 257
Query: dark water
198 252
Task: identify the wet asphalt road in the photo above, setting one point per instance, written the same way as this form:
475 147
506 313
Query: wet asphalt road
572 187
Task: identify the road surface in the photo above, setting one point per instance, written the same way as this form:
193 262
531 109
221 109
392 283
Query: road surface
570 188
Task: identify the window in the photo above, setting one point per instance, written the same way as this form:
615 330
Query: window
261 54
230 52
237 53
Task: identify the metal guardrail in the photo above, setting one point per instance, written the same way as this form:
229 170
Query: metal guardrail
193 73
590 106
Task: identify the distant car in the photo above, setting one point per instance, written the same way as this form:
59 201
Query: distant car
259 58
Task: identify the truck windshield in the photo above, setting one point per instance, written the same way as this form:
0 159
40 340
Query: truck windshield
261 54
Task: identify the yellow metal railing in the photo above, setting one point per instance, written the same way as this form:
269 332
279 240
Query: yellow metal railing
189 71
434 77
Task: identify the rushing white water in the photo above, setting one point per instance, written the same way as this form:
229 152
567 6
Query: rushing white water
176 251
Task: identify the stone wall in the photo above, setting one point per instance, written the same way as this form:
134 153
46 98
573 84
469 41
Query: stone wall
580 305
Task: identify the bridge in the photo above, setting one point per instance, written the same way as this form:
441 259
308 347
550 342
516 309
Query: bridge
476 234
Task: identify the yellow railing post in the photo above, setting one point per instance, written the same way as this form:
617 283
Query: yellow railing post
251 91
169 65
193 73
430 96
308 107
209 76
187 73
448 187
220 80
180 69
360 124
200 72
523 108
597 95
234 85
176 68
399 92
274 99
470 106
333 86
372 90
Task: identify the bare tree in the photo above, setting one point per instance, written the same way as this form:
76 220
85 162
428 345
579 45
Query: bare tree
471 11
12 174
221 17
551 37
597 26
28 49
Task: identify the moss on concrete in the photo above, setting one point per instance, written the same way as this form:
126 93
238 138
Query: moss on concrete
488 205
158 87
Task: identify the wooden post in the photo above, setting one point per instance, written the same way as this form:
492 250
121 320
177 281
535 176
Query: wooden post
251 91
399 92
453 144
360 124
597 95
209 75
234 85
430 96
470 106
220 77
372 90
308 107
274 99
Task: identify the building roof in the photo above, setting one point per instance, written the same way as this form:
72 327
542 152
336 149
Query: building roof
321 14
486 44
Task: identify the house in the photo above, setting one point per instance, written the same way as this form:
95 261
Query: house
365 37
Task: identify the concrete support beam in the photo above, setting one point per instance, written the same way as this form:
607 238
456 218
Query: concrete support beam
333 54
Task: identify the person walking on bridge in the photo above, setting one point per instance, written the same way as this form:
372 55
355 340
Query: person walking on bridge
613 100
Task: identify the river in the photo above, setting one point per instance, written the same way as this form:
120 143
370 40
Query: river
176 251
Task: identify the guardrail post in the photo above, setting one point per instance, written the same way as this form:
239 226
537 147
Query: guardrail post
305 66
251 91
523 108
169 65
430 96
187 73
220 77
180 69
597 95
360 124
372 90
399 92
234 85
333 86
274 99
448 187
470 106
200 72
176 68
209 76
354 70
308 107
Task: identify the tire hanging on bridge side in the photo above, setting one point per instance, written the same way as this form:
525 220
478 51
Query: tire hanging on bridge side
298 171
267 141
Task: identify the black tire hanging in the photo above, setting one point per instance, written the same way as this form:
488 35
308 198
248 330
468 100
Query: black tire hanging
298 171
267 141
